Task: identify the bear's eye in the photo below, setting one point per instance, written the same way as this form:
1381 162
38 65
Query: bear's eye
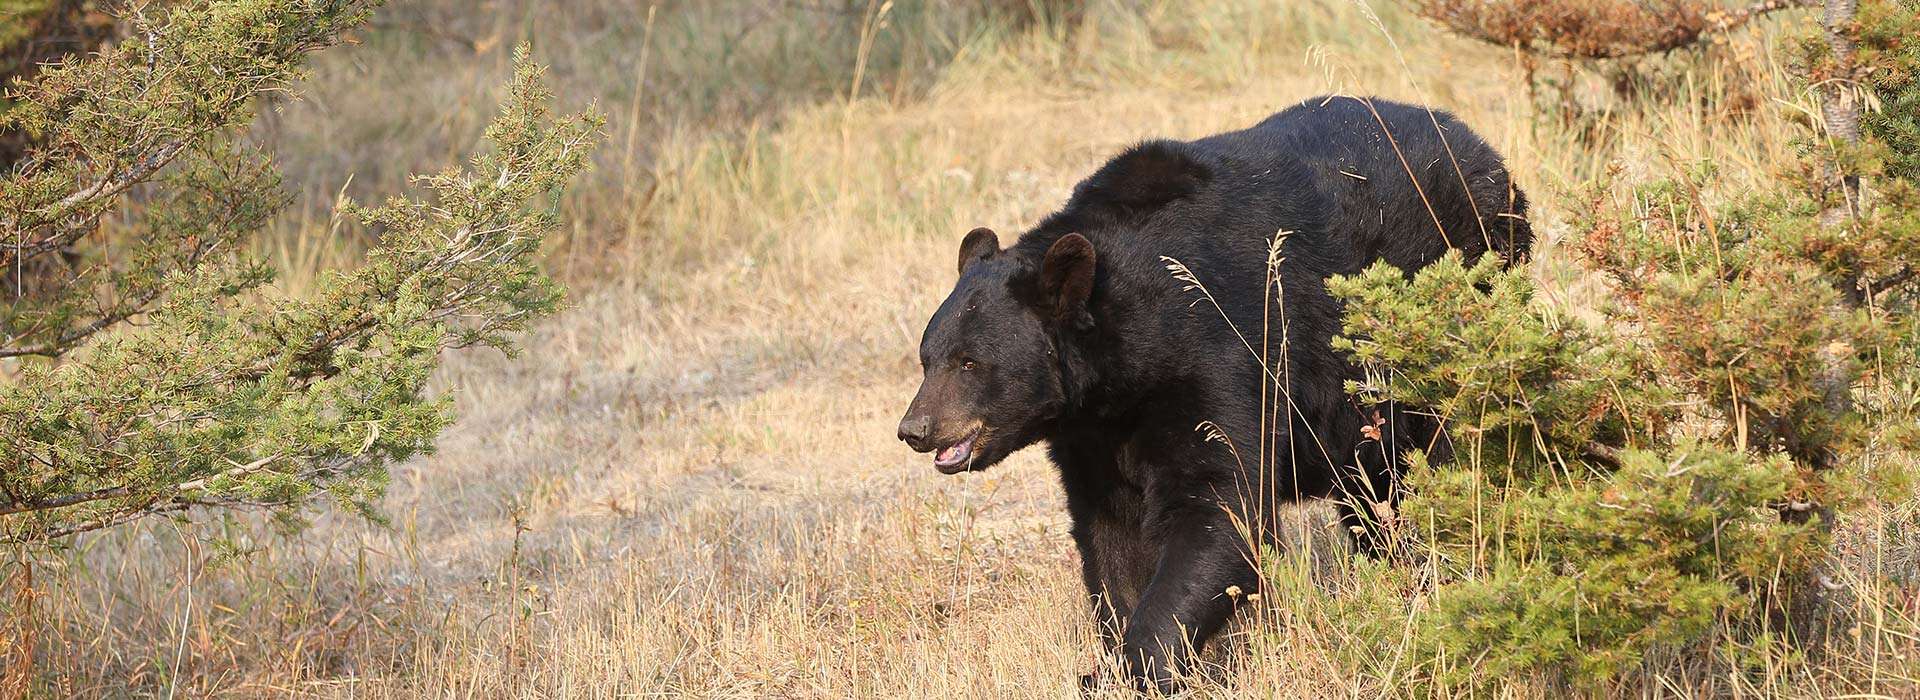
967 365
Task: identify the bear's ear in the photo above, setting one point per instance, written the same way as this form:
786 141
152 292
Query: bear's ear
1066 279
1147 177
980 244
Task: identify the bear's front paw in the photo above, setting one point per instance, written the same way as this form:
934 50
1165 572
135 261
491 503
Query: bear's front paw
1149 673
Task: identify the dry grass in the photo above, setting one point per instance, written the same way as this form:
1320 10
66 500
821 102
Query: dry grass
689 483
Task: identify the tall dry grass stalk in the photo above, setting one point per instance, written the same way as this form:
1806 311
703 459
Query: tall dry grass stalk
17 641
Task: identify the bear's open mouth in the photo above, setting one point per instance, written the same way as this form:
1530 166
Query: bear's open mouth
955 458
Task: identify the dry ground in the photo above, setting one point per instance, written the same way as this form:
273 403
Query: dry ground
689 483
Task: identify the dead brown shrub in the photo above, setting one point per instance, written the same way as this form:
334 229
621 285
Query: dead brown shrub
1594 28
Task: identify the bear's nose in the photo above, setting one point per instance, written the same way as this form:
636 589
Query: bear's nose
914 431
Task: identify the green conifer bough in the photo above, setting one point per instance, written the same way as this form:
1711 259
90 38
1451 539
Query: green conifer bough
219 393
1660 475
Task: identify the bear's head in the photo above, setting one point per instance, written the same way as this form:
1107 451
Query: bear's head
992 370
1003 357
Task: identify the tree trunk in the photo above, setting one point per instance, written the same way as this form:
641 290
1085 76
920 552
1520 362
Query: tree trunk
1809 600
1840 106
1840 109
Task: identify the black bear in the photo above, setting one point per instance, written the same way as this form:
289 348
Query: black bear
1183 384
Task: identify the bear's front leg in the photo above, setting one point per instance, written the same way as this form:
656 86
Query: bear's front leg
1116 558
1103 568
1202 555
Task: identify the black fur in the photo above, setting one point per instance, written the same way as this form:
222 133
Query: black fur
1079 335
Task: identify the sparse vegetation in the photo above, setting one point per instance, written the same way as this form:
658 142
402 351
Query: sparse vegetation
688 485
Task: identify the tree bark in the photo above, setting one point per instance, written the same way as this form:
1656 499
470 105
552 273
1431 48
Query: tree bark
1840 109
1808 600
1840 106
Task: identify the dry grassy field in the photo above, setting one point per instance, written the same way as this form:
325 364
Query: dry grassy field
689 482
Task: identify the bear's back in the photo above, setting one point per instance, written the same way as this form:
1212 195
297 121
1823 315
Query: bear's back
1362 151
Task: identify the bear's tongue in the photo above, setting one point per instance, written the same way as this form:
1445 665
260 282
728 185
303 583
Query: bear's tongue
954 455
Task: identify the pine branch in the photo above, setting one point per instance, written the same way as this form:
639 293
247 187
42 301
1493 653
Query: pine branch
109 122
339 376
123 491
